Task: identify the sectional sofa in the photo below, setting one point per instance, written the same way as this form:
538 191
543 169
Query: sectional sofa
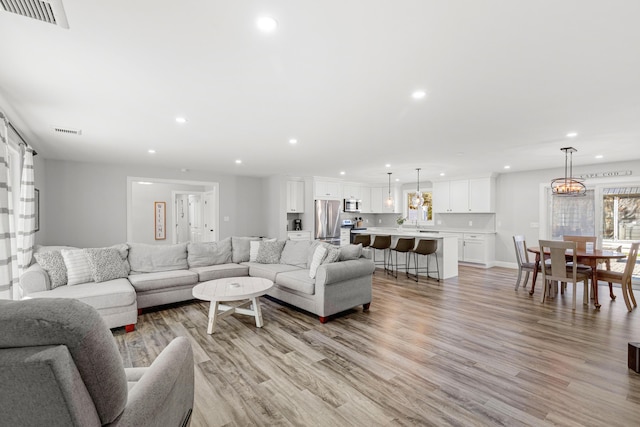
121 280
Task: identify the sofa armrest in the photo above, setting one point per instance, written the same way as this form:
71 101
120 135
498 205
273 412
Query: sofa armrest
163 394
34 279
344 270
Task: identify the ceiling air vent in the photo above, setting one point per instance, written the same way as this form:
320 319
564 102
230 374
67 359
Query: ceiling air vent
50 11
67 131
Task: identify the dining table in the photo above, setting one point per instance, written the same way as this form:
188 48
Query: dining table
589 258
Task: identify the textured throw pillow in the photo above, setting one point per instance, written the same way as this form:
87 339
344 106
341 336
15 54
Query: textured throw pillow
106 264
350 252
53 263
316 260
333 254
78 268
269 252
123 250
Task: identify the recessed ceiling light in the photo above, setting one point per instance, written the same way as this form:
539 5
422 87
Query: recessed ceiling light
342 172
181 120
238 161
184 170
151 151
293 141
418 94
387 165
266 24
507 167
572 134
397 179
599 156
441 173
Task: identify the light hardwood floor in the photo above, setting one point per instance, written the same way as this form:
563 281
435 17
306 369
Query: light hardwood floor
466 351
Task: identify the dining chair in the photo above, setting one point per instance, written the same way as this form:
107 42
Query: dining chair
522 256
624 278
559 270
581 241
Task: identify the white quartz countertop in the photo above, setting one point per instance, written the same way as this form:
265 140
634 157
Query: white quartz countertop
429 230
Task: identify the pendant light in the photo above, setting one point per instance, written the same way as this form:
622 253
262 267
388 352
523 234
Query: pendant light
417 200
568 186
389 202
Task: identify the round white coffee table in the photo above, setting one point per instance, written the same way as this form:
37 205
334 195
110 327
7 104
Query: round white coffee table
235 289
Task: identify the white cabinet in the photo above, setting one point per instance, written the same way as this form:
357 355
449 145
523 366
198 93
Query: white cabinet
379 196
295 196
327 189
464 196
299 235
352 191
478 248
345 236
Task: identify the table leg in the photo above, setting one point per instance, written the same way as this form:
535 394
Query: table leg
255 302
594 281
535 274
213 314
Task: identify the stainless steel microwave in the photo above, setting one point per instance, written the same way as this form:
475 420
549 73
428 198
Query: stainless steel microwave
352 205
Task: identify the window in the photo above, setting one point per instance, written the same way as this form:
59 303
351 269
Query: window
422 215
621 213
572 216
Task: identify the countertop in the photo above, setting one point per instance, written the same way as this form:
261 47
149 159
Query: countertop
430 229
393 231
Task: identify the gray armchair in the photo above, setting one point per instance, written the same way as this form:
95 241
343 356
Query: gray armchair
60 366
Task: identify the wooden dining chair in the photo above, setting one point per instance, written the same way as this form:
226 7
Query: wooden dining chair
624 278
581 241
559 270
522 256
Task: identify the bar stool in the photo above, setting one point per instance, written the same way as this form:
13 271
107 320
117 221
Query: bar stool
426 248
403 245
365 239
382 243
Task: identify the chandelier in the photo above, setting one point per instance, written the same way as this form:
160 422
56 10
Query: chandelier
568 186
417 200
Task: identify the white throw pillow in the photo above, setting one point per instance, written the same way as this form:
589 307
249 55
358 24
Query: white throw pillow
78 267
254 247
316 260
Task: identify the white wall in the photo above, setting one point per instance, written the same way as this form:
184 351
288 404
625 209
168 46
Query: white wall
85 204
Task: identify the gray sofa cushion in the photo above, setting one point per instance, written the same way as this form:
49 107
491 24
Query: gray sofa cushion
145 258
209 253
349 252
220 271
268 271
269 252
113 293
240 248
163 280
298 281
295 252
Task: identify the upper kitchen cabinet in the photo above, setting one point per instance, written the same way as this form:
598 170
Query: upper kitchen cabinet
331 190
464 196
295 196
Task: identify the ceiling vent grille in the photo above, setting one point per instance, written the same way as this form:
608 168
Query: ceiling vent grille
67 131
50 11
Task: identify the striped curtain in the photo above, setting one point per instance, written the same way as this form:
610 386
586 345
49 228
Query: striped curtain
8 248
27 219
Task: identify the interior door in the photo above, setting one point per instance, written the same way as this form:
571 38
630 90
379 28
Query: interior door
210 217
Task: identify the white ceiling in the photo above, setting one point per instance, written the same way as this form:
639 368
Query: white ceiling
506 81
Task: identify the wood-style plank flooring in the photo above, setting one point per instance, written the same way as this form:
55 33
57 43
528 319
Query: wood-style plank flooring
467 351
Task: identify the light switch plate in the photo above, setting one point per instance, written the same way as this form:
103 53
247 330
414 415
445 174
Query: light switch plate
226 219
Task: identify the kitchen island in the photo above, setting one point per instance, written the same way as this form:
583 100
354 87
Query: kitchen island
447 252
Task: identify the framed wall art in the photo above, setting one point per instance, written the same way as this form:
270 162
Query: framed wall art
160 210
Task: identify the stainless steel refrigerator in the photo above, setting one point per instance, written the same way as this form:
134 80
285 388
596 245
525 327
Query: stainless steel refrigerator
328 221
